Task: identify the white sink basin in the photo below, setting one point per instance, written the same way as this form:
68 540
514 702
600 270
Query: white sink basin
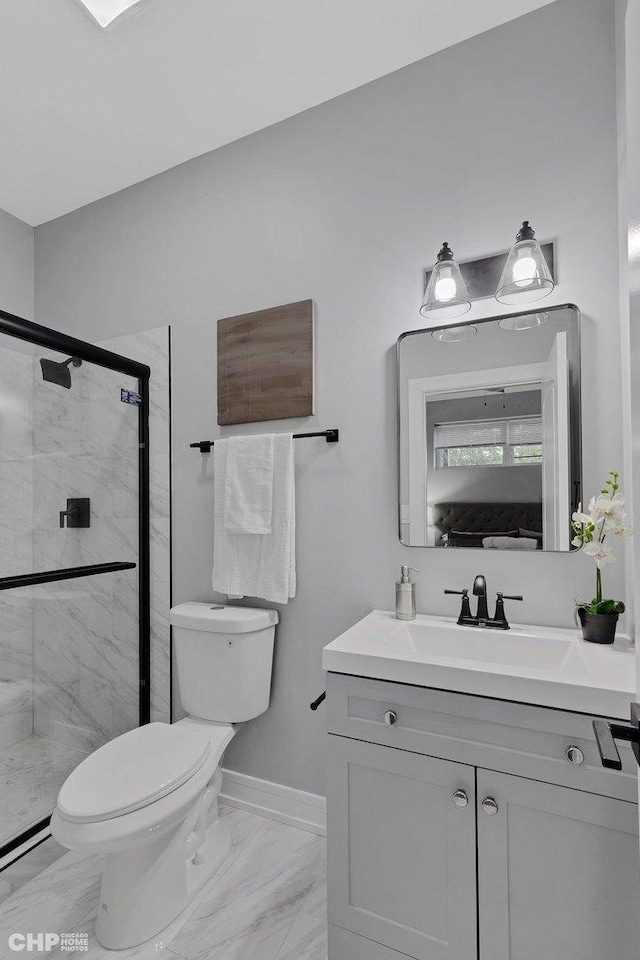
448 641
541 665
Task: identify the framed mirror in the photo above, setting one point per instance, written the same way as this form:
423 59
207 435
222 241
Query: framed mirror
489 432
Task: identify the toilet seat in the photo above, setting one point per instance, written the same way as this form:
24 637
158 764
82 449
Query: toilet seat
133 771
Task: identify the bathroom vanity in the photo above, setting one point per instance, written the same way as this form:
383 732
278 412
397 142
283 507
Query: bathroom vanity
465 823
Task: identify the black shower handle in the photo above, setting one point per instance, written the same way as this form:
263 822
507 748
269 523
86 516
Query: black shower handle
78 512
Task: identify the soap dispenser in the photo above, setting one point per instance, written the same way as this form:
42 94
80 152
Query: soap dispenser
405 595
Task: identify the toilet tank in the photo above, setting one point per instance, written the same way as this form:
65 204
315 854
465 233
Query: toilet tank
223 659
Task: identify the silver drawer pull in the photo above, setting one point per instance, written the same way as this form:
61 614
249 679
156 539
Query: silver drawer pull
390 717
574 754
460 798
490 806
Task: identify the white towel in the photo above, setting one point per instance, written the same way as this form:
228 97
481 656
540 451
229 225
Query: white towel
510 543
257 565
248 496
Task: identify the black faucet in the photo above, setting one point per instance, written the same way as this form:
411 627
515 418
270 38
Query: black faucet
482 618
480 591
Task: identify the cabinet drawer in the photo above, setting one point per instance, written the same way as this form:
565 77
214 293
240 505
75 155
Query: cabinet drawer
522 739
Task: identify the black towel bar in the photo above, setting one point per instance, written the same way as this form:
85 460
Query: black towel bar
331 436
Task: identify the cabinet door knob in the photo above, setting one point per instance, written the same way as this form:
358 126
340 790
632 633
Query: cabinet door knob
574 754
490 806
390 717
460 798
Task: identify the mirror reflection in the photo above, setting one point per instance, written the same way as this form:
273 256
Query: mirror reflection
489 420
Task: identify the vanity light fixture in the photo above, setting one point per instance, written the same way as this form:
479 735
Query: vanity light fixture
454 334
107 12
528 321
526 276
446 295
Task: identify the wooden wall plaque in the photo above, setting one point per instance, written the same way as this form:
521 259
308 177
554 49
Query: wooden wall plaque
266 364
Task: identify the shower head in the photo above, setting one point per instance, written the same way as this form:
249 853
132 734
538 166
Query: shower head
58 373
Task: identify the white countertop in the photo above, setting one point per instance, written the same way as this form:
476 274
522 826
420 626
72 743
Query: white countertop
549 666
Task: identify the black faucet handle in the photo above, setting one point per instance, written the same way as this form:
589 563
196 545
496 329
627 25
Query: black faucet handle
499 619
465 609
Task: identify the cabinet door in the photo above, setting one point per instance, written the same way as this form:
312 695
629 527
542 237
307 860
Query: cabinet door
401 853
558 873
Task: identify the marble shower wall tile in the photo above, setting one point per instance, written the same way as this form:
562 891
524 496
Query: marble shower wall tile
86 638
16 635
151 347
16 406
61 475
16 711
160 651
72 714
159 468
16 542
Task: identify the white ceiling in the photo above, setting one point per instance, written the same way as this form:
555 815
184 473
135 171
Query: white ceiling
84 112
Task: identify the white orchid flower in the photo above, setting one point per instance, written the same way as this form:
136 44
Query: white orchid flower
580 517
609 509
600 553
621 532
576 542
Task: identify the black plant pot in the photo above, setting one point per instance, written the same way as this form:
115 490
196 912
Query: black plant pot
598 627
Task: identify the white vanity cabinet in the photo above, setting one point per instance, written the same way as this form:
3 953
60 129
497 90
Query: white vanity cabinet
462 827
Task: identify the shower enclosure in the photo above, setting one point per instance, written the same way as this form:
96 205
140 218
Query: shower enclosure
74 562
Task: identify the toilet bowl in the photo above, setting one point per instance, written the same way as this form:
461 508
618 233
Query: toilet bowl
147 800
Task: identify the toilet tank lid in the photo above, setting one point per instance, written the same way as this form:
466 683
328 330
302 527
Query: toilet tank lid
216 618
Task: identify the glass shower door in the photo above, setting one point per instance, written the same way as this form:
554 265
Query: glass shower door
74 551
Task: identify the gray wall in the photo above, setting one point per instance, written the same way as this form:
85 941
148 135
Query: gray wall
16 266
347 203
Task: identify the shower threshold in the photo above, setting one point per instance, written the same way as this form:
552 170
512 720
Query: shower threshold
31 774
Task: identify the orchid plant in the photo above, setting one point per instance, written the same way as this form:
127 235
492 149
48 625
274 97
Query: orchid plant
606 518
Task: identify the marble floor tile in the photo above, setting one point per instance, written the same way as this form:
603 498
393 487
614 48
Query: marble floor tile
33 910
266 902
76 877
30 866
31 773
307 939
251 910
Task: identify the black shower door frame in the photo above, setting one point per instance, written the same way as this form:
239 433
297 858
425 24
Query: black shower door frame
35 333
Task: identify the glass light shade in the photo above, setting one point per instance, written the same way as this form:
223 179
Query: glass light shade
527 322
454 334
446 295
526 276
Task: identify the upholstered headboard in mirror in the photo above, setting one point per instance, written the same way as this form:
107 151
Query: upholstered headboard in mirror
486 520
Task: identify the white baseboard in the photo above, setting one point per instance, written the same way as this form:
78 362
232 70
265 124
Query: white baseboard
275 801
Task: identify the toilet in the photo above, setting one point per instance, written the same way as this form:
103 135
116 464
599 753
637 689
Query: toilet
148 799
